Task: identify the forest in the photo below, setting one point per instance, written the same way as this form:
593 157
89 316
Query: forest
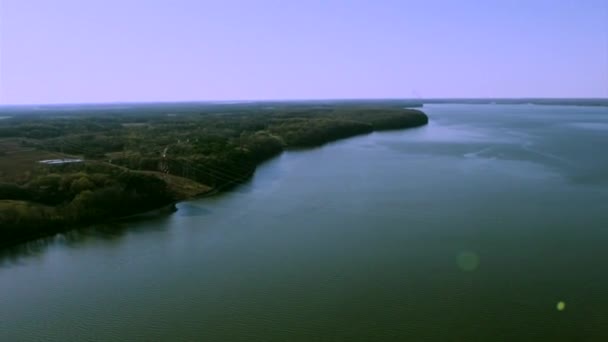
130 159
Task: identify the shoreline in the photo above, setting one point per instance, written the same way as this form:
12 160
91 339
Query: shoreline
99 192
171 207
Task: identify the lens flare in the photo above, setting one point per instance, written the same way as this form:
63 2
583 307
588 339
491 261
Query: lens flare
468 261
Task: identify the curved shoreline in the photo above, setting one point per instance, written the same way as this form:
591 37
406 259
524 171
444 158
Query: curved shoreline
417 118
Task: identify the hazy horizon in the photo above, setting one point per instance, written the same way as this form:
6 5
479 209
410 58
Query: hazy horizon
361 99
139 51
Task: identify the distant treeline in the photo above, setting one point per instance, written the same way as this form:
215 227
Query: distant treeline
138 161
536 101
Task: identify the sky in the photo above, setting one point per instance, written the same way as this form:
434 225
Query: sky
79 51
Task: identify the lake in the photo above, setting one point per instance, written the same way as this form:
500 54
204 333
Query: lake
489 224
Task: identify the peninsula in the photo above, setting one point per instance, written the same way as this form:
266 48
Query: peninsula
67 166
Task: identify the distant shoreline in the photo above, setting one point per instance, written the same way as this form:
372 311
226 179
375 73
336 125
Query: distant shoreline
406 102
524 101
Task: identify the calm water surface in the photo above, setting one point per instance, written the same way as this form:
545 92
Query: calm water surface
473 228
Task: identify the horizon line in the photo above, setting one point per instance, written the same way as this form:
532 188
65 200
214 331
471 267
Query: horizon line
234 101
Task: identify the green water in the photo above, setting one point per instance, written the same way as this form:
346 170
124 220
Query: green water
473 228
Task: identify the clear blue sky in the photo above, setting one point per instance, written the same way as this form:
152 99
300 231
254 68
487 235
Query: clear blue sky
63 51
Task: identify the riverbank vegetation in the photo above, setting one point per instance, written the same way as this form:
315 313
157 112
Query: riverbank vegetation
130 159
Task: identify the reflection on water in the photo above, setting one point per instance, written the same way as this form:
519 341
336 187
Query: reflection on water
189 209
106 234
13 255
487 224
459 133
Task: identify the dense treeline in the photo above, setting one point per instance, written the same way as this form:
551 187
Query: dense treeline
312 132
134 158
52 202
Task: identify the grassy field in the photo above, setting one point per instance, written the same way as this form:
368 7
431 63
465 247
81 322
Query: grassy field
17 162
